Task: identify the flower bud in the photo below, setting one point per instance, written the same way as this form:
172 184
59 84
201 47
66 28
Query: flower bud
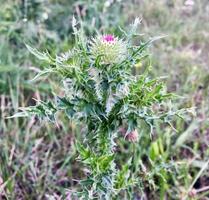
133 136
111 49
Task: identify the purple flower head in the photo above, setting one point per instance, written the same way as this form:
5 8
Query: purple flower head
110 48
108 38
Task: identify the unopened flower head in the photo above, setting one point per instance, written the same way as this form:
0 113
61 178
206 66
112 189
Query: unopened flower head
133 136
110 48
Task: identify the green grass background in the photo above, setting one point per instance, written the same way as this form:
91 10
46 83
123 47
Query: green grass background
38 159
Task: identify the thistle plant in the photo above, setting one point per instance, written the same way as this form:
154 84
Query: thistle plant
103 96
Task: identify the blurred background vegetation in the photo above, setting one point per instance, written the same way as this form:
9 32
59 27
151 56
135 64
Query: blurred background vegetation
38 160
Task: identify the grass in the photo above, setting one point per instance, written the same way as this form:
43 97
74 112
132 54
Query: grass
37 160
